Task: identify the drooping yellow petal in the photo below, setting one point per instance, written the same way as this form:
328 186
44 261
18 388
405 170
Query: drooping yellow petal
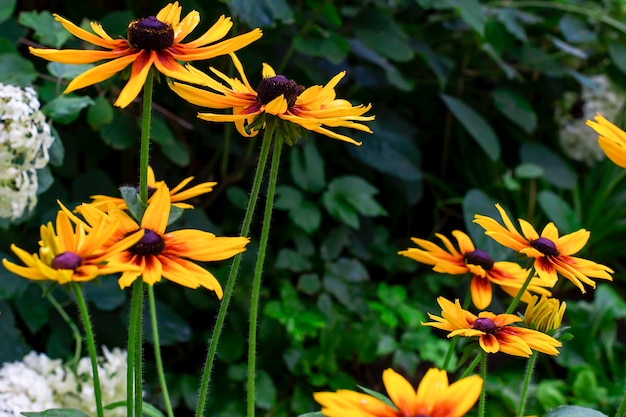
100 73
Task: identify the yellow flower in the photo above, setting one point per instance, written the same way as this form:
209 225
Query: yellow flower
177 194
544 314
611 139
493 331
434 397
314 108
74 254
552 254
508 275
155 40
165 254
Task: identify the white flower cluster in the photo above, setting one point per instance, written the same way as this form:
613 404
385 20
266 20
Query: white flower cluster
577 140
24 141
39 383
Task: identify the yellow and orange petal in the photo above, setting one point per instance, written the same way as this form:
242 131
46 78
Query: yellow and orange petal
73 252
494 332
315 108
160 254
510 276
160 48
178 194
434 397
551 253
611 139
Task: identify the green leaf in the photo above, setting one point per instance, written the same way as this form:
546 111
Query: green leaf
550 393
265 391
238 197
16 70
356 192
307 167
476 125
121 133
101 113
6 9
377 395
386 345
511 73
287 198
309 283
32 308
177 153
331 46
567 48
557 172
574 411
307 216
393 295
56 412
160 132
558 211
13 346
11 285
576 30
65 109
261 13
529 171
440 65
67 71
585 384
134 204
47 30
515 108
471 13
173 328
617 52
44 179
380 32
56 149
105 293
510 20
292 261
350 270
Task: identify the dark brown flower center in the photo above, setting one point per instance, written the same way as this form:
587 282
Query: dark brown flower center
272 87
545 246
67 260
484 324
150 244
480 258
150 33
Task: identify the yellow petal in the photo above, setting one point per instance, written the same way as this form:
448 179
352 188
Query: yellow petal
100 73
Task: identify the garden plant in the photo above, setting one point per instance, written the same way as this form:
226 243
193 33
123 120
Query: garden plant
408 208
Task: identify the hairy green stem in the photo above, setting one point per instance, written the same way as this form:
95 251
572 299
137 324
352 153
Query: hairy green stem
258 272
472 365
78 338
621 411
91 345
134 371
531 274
157 352
483 375
529 373
144 153
203 390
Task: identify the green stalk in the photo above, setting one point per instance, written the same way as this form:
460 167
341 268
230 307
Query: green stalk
135 325
91 345
258 272
157 352
472 365
529 373
621 411
483 375
78 338
531 274
203 390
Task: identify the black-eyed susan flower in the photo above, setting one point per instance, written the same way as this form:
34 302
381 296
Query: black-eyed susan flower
544 314
494 332
510 276
551 253
154 40
166 254
178 194
315 108
611 139
434 397
74 253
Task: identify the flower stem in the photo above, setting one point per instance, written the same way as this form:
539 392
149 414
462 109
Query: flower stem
258 272
91 346
531 274
234 269
483 375
144 155
529 373
134 373
157 352
472 365
621 411
75 331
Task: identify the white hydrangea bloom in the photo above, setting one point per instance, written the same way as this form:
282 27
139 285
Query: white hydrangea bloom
574 111
25 137
38 383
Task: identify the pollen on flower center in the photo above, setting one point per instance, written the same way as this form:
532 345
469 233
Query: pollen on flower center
480 258
150 244
150 33
545 246
67 260
272 87
484 324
